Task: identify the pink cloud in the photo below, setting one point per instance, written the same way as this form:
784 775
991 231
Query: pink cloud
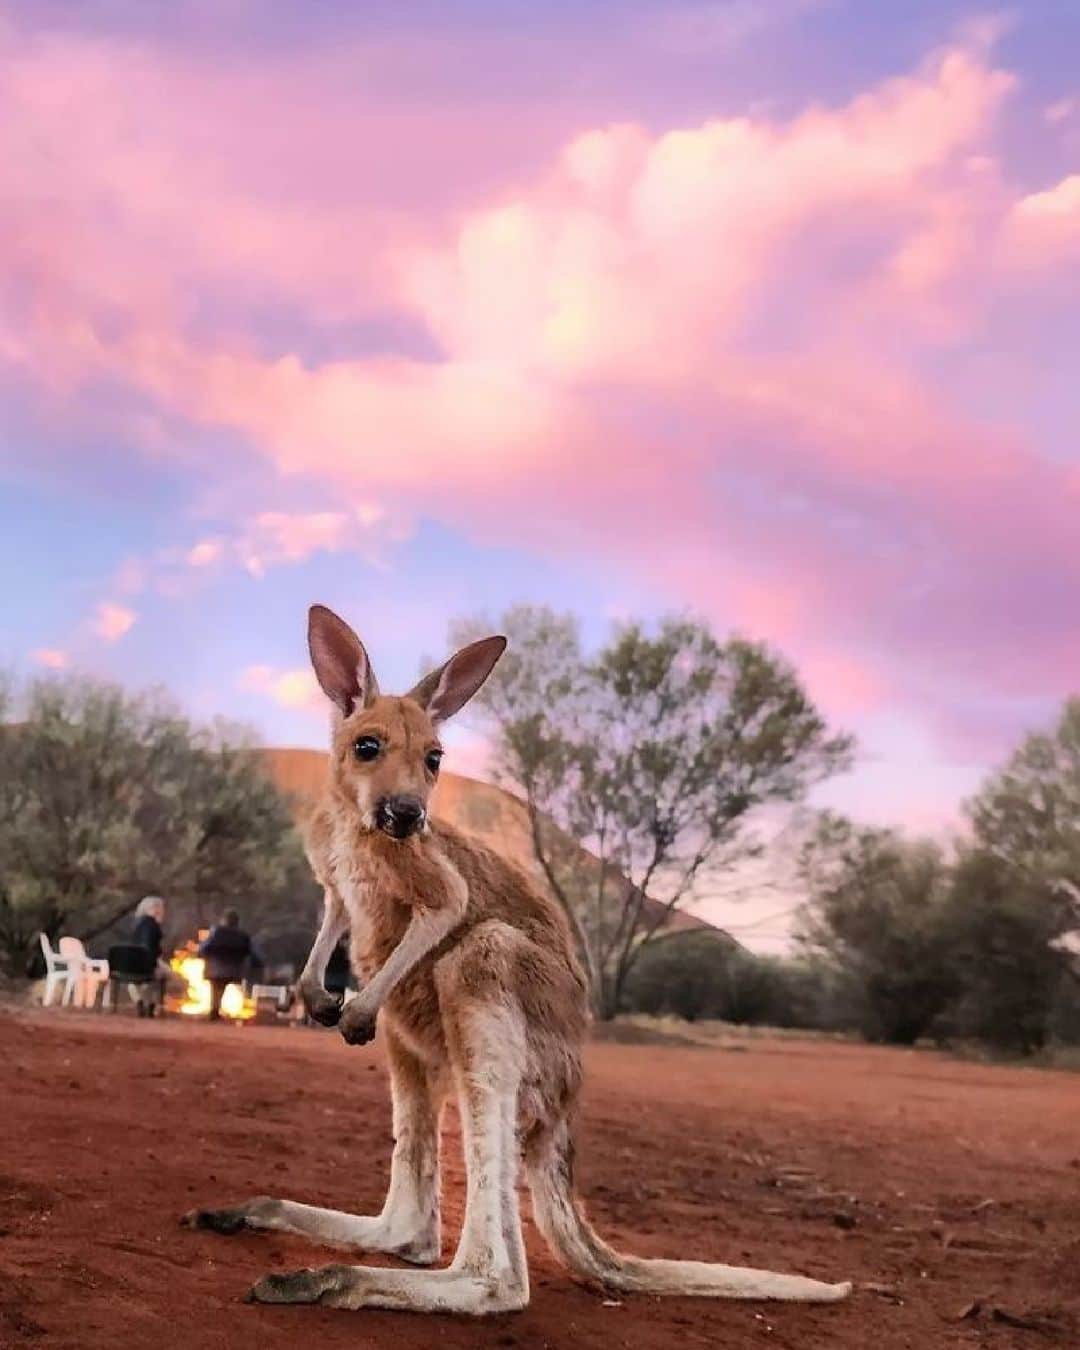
204 554
292 689
130 577
1060 110
1042 232
52 658
112 621
276 537
111 143
266 540
708 353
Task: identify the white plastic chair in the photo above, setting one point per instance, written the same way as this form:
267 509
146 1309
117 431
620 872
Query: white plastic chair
87 974
278 992
59 970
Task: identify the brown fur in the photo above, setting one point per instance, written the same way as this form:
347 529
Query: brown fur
470 968
400 877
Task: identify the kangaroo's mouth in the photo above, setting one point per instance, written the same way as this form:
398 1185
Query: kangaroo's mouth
400 821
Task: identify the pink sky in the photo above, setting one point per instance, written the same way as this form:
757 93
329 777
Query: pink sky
354 317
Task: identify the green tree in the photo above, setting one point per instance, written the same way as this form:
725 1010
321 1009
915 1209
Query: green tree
1000 928
876 909
686 974
704 973
643 766
105 796
1028 812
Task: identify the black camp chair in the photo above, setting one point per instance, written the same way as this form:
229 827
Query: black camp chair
132 964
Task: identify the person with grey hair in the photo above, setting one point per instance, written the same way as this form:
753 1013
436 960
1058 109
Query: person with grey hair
149 916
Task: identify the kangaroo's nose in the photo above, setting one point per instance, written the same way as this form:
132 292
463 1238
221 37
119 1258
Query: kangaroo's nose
403 814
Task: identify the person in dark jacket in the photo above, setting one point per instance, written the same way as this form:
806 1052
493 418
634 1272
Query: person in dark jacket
227 951
149 916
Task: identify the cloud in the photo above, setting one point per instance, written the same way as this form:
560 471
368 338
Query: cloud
204 553
130 577
1042 231
112 621
266 540
1060 110
292 689
717 28
52 658
278 537
720 356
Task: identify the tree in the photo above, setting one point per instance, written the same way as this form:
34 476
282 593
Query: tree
877 911
642 767
1000 928
1019 890
1028 813
686 974
704 973
105 796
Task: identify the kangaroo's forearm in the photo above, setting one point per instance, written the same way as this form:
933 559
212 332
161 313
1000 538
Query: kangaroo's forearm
322 1005
429 924
335 924
426 930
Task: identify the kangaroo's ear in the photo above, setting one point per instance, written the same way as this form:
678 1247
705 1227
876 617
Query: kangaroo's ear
341 664
446 690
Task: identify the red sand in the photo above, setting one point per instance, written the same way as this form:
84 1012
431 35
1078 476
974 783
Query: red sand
943 1184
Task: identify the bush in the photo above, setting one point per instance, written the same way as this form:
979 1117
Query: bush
875 915
705 974
999 931
106 796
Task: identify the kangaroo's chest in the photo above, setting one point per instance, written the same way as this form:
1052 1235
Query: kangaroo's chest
381 885
376 920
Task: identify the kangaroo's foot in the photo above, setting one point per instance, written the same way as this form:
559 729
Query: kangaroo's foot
413 1238
450 1291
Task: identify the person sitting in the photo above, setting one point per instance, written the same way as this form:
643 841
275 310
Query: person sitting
227 951
149 917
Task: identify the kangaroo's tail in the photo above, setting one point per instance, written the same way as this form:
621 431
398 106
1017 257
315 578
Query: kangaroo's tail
549 1161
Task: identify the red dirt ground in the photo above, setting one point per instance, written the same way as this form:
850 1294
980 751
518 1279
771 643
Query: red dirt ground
939 1184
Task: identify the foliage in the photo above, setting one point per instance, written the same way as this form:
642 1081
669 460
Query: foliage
704 974
1000 929
1029 811
106 796
876 910
970 948
686 974
652 757
899 939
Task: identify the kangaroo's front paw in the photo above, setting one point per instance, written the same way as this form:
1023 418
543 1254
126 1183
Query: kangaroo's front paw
323 1006
357 1024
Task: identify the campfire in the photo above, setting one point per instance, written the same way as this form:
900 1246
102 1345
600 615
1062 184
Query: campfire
190 966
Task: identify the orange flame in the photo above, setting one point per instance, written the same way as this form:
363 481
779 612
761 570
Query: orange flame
190 966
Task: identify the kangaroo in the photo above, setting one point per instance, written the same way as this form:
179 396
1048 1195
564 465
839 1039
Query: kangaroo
470 969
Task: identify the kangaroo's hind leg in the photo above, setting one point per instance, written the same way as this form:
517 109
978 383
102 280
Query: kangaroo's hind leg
486 1041
488 1272
408 1225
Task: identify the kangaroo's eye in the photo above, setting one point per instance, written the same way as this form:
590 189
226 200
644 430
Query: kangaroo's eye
433 759
366 747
